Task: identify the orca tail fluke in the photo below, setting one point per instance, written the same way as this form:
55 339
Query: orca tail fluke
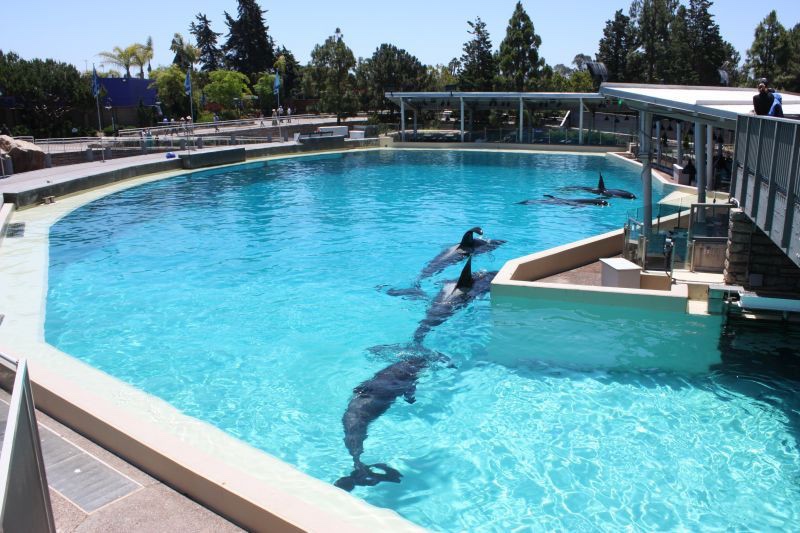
365 476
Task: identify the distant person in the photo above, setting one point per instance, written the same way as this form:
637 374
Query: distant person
280 113
776 110
216 123
690 170
288 114
762 102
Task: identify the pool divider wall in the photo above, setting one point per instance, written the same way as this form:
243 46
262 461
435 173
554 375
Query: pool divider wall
518 277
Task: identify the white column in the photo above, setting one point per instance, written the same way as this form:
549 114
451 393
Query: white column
679 140
402 120
709 157
462 118
645 127
700 161
519 136
580 121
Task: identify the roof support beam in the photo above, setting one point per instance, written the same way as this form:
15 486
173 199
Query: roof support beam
645 126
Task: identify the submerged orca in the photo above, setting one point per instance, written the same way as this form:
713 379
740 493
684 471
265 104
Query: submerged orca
454 295
602 190
370 400
451 255
575 202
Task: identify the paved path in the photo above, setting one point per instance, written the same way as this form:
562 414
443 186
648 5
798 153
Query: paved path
93 490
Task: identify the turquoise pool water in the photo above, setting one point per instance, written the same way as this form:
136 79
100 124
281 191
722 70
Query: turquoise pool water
249 298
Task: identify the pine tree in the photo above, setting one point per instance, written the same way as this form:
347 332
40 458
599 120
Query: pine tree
616 46
767 52
331 78
708 51
652 19
681 70
249 48
519 59
210 54
389 68
478 65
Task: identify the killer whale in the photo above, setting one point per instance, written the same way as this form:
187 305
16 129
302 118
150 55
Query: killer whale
469 245
575 202
452 297
602 190
370 400
451 255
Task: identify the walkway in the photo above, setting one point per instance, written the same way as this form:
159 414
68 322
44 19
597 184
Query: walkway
92 489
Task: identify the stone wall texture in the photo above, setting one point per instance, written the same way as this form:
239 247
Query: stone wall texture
756 263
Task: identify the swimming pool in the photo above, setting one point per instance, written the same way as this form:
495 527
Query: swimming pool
249 298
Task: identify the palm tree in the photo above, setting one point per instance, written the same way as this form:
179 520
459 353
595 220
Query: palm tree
150 53
186 54
122 57
142 55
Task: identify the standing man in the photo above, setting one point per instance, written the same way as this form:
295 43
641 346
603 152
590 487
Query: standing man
762 102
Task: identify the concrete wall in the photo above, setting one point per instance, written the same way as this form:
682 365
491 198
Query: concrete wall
756 263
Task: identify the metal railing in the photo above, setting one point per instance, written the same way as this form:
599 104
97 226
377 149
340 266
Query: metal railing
166 128
24 494
765 180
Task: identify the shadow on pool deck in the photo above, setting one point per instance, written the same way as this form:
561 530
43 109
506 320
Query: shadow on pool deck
92 489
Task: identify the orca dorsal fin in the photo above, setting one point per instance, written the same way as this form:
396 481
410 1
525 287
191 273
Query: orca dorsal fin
465 279
467 241
601 184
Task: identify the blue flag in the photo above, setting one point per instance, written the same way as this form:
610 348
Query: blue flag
276 87
187 85
95 83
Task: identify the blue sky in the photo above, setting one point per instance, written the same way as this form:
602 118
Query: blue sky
434 31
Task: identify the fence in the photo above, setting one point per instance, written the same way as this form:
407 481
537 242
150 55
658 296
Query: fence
765 178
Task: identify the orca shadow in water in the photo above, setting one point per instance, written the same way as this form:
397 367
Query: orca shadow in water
602 190
370 400
574 202
469 246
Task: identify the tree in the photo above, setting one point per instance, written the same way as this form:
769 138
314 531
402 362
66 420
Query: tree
518 59
681 71
226 87
249 48
331 78
478 65
169 82
707 49
580 61
767 53
44 92
441 76
790 78
210 55
263 88
142 55
652 19
616 46
121 57
289 69
186 53
389 68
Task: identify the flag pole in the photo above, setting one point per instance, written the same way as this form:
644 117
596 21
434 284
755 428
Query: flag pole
96 91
